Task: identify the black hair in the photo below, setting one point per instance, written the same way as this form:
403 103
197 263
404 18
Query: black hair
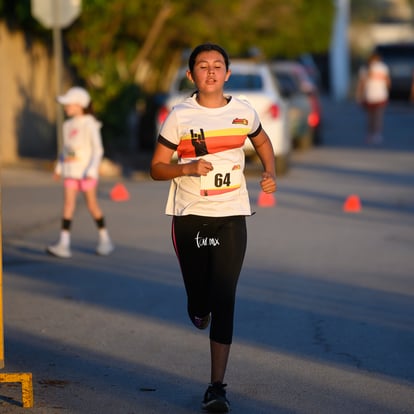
207 47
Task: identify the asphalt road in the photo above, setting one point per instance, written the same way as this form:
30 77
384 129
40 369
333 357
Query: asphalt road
325 311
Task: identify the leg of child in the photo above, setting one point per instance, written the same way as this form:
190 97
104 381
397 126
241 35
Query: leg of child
69 206
62 247
105 245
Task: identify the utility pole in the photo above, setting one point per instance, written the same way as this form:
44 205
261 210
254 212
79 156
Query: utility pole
57 15
58 58
339 52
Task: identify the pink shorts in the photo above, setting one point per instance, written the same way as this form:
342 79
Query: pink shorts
84 184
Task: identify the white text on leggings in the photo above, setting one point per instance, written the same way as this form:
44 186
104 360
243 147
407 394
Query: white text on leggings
206 241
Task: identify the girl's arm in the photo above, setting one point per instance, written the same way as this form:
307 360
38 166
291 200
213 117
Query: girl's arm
92 170
264 150
163 169
359 92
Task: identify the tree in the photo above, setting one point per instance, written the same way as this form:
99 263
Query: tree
137 41
124 50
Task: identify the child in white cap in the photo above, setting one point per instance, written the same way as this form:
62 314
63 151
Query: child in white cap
78 165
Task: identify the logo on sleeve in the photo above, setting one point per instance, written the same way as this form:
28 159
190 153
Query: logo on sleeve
240 121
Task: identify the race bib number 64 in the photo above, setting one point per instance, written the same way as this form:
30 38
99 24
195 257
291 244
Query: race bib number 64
222 179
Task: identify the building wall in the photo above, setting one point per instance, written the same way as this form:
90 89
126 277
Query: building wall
364 38
27 94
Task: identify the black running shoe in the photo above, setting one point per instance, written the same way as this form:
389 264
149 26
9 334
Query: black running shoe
200 323
215 400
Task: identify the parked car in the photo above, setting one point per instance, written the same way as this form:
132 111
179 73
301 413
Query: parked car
399 58
299 107
301 88
254 82
308 62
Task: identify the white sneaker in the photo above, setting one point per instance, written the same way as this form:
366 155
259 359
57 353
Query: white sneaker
60 250
105 247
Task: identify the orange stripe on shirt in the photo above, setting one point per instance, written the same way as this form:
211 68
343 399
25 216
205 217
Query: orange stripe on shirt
215 141
214 144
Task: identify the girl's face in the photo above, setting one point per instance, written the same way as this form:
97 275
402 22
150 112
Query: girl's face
209 72
73 110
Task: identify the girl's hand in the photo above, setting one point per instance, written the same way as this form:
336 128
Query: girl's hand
199 167
56 176
268 183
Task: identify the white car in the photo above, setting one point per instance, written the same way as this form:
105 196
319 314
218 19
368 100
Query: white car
255 83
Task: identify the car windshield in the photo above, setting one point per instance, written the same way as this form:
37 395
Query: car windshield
395 51
398 55
244 81
286 82
236 82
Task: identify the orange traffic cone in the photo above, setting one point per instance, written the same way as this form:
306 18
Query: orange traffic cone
119 193
352 204
266 199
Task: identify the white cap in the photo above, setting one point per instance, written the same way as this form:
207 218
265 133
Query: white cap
75 95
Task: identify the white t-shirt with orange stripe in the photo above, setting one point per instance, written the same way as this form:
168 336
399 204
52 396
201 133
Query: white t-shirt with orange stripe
216 135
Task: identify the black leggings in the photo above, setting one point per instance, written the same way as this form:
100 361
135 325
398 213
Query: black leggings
210 251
